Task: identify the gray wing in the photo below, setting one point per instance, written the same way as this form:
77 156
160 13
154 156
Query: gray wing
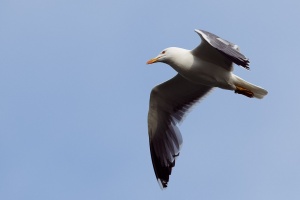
227 49
169 102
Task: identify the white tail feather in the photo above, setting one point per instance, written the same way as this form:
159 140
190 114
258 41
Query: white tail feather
258 91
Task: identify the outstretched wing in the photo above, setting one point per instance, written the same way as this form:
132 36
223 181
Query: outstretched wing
226 48
169 102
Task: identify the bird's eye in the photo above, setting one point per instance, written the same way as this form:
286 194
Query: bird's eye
163 52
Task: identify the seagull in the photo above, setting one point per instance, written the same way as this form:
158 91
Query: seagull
199 70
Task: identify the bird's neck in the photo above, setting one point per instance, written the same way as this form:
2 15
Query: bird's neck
181 61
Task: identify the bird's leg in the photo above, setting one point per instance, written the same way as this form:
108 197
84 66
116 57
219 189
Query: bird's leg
244 91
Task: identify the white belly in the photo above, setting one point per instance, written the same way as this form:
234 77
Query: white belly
206 73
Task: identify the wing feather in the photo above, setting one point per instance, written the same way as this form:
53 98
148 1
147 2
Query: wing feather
224 47
169 102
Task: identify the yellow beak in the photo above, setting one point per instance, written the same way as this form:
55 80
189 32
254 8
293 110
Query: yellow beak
153 60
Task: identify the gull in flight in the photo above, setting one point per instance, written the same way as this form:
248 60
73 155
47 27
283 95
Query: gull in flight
199 70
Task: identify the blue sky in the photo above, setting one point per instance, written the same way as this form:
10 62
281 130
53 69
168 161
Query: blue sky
75 92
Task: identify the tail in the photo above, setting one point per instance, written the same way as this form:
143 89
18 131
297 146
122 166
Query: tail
248 89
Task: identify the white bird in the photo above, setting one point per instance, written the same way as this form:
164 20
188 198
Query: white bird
199 70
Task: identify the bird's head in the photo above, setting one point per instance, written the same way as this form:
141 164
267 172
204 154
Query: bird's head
166 55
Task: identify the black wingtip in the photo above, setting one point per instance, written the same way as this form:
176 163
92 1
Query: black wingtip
162 172
246 64
162 184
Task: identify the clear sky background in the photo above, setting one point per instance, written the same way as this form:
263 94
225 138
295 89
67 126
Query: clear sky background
74 94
